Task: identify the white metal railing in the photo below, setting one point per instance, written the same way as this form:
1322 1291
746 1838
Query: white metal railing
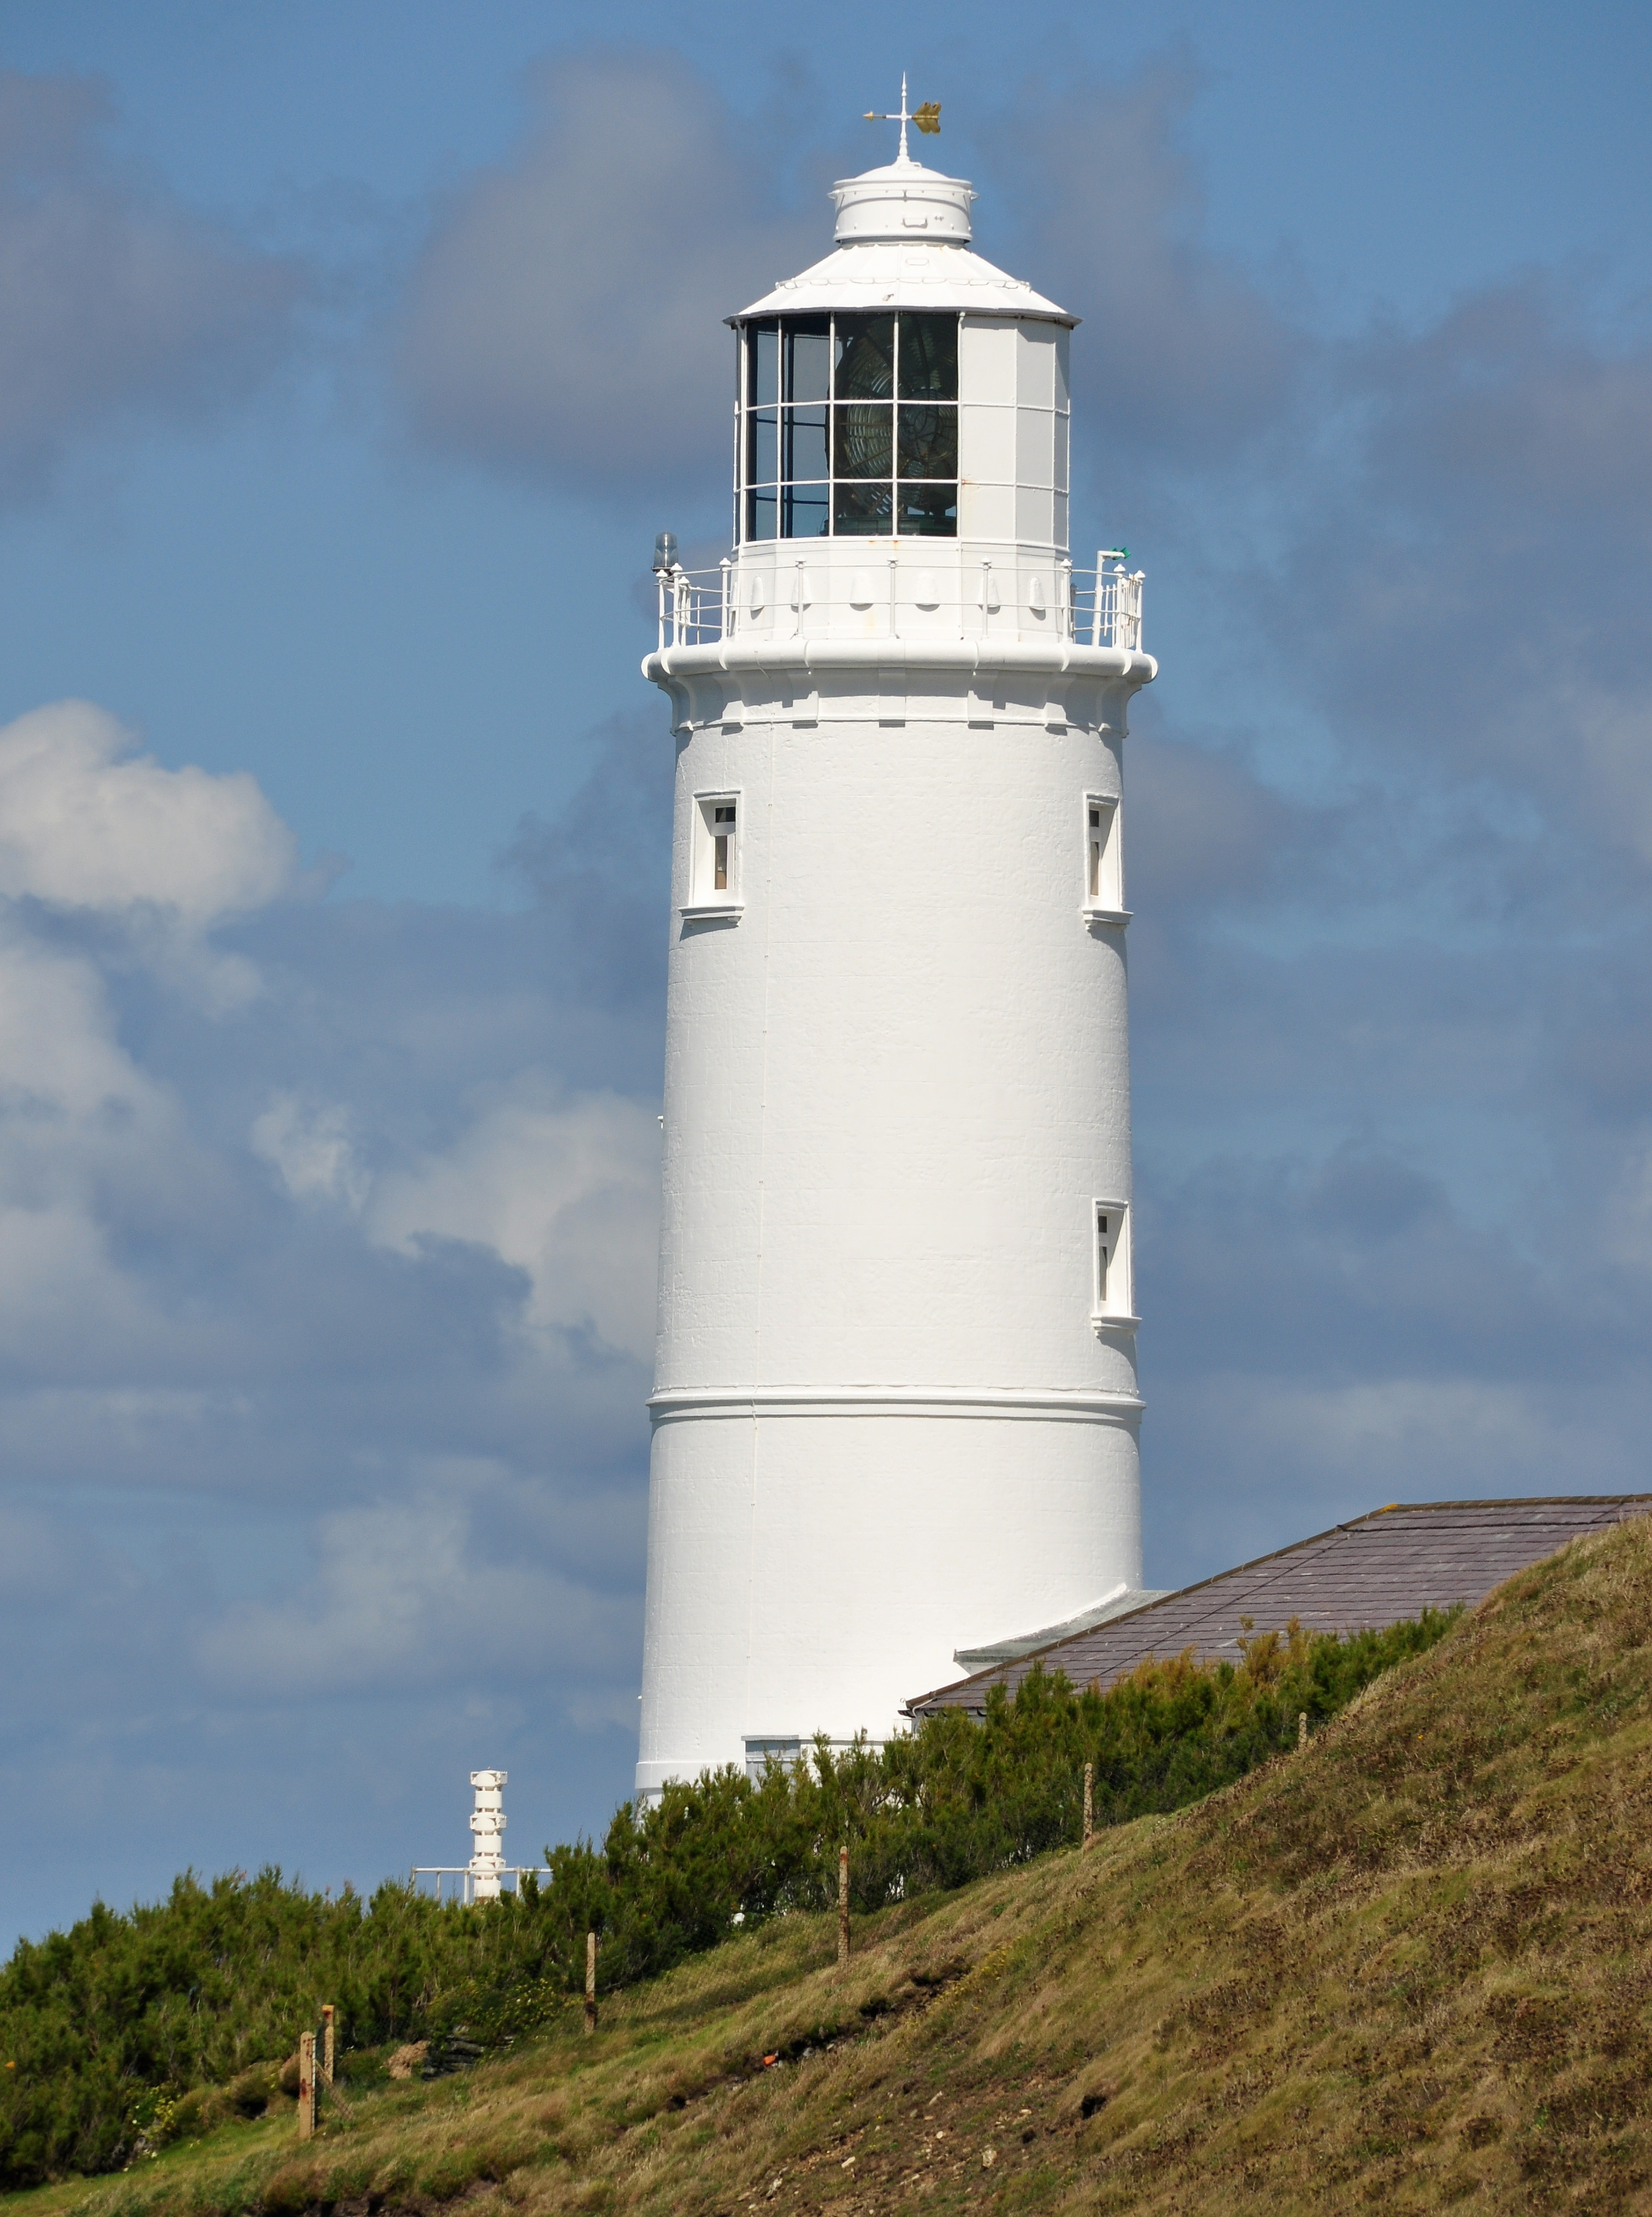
465 1893
695 605
1106 605
895 597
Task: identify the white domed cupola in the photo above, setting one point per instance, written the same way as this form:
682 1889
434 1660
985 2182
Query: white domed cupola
901 202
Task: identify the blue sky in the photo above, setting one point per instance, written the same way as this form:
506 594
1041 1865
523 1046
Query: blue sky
350 358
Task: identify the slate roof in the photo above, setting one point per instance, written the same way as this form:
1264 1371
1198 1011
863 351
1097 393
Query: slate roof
1370 1573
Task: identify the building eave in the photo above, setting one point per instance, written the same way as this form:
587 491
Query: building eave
879 274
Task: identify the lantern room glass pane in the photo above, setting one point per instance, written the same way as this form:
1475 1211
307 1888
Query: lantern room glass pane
806 511
803 453
863 440
763 369
926 511
850 425
927 442
928 357
865 358
762 447
861 511
809 358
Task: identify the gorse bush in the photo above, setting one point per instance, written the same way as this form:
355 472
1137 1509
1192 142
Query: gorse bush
951 1802
188 1992
96 2022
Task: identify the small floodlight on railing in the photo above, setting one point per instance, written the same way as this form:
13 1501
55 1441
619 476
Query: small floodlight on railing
665 553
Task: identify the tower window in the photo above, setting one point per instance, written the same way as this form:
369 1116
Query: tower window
760 1753
850 426
714 864
1104 873
1111 1290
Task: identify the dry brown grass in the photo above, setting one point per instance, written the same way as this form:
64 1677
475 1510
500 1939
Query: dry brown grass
1410 1969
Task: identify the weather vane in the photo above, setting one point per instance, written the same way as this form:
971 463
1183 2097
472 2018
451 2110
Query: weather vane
928 119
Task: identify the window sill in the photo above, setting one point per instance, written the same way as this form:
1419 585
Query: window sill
1110 1323
1105 915
691 909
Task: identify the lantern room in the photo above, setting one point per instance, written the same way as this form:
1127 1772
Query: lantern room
904 388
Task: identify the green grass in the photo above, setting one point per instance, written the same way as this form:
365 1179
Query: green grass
127 2031
1410 1968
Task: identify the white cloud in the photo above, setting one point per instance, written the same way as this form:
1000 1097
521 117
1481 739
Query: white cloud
313 1149
564 315
1397 1427
76 1114
62 1069
567 1187
86 823
88 1136
404 1595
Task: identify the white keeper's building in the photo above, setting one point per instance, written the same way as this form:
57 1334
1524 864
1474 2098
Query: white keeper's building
896 1410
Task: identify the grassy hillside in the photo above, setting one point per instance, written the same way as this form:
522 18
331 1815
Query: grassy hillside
1411 1967
114 2032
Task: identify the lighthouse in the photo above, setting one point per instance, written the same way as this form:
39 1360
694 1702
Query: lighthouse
895 1412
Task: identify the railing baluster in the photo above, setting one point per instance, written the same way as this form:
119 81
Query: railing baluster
690 612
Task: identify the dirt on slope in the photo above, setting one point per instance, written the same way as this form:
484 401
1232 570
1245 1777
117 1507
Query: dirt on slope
1411 1966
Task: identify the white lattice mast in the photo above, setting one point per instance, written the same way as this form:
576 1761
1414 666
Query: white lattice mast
487 1863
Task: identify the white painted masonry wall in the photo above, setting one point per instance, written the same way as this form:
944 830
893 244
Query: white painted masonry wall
890 1421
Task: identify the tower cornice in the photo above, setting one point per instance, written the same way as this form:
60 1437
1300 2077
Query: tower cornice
959 657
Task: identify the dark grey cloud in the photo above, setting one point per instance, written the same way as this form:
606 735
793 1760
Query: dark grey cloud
120 306
603 868
1389 827
1467 590
563 319
1183 357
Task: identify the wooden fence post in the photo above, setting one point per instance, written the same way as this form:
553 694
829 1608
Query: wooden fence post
843 1905
1302 1728
590 1982
326 2042
1089 1803
306 2084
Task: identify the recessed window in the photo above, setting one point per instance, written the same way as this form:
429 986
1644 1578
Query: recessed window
1111 1290
1104 871
714 865
760 1753
850 426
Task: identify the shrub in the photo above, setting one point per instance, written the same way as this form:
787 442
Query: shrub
113 2028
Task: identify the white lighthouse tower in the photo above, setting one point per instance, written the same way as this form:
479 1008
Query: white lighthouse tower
896 1407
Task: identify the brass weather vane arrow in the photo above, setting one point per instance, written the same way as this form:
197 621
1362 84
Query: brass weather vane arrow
928 119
